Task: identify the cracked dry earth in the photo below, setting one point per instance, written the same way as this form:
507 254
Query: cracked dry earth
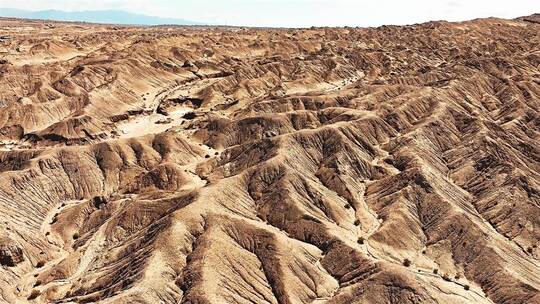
230 165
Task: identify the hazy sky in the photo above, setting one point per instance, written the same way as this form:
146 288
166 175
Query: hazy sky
294 13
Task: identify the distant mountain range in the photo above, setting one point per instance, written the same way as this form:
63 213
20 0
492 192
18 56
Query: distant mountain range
102 16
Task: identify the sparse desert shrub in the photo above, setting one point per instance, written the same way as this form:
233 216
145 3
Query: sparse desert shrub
446 278
34 294
40 264
38 282
466 287
357 222
435 271
347 206
76 236
406 262
190 115
360 240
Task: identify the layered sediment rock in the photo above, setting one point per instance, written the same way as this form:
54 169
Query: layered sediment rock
230 165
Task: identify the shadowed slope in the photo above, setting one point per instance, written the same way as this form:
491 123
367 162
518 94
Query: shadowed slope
381 165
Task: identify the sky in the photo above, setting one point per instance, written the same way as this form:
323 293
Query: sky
299 13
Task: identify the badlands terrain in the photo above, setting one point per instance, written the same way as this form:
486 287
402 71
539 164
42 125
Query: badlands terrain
238 165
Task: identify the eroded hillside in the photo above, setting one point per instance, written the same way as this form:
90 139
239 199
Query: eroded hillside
229 165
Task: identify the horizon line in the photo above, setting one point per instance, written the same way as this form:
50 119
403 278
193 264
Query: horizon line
205 24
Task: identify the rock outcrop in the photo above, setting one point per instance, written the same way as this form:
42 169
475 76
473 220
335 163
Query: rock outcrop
10 253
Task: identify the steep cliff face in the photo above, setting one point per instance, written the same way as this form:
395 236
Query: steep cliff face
229 165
